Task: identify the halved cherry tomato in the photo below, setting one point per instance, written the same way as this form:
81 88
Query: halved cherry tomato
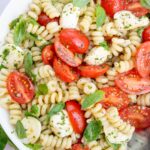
136 8
63 71
20 87
66 55
131 82
74 40
79 147
143 60
92 71
146 34
115 97
113 6
43 19
48 54
76 116
138 116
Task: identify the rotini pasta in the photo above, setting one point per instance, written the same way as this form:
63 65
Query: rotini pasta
144 100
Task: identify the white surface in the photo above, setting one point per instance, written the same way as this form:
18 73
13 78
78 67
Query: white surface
13 10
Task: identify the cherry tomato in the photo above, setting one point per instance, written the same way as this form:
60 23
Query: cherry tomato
138 116
115 97
43 19
79 147
20 87
92 71
136 8
66 55
146 34
76 116
63 71
48 54
75 40
143 60
113 6
131 82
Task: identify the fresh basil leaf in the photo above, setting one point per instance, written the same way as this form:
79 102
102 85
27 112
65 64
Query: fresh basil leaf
19 32
42 89
100 15
28 62
105 45
3 139
33 37
93 131
80 3
34 111
2 66
55 109
140 31
13 23
34 146
20 130
114 146
31 20
145 3
92 99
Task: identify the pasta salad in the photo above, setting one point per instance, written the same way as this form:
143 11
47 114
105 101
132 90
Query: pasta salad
75 75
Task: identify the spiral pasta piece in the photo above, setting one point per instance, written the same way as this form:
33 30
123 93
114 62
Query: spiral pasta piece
102 82
27 43
94 145
9 38
87 19
55 142
144 100
89 88
36 54
111 75
49 9
15 112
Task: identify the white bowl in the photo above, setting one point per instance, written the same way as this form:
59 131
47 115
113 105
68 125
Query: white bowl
12 11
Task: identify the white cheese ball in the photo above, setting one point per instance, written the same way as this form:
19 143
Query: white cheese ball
60 124
11 56
97 56
33 129
125 20
70 16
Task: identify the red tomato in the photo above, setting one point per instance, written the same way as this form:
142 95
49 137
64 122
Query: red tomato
113 6
63 71
20 87
48 54
75 40
131 82
137 8
143 60
43 19
66 55
138 116
79 147
146 34
92 71
76 116
115 97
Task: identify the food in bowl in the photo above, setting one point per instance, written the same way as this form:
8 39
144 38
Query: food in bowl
75 75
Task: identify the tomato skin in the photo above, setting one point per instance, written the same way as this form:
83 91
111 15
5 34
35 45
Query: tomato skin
76 41
136 8
115 97
131 83
79 147
63 71
138 116
76 116
146 34
48 54
113 6
92 71
66 55
20 87
43 19
143 59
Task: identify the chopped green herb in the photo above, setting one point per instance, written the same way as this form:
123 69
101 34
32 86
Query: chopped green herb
34 111
55 109
13 23
5 54
80 3
140 31
2 66
34 146
105 45
100 15
145 3
93 131
42 89
92 99
3 139
20 130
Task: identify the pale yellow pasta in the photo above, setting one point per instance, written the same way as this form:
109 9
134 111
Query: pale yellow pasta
133 98
9 37
144 100
89 88
36 54
102 81
94 145
27 43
